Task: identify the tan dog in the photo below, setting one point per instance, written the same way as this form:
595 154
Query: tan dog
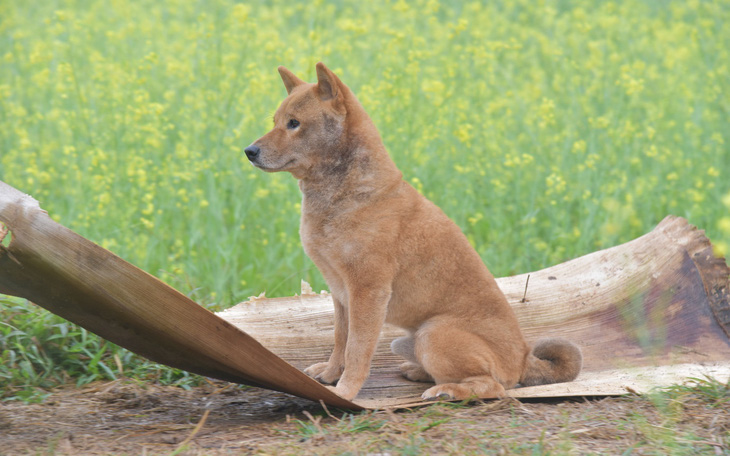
390 255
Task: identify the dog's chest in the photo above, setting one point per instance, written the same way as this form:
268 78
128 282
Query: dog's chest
312 238
330 239
319 234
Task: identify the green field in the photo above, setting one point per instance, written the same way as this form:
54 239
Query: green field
545 129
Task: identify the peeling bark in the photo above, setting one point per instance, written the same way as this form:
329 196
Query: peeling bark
70 276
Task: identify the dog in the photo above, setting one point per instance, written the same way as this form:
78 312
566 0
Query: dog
390 255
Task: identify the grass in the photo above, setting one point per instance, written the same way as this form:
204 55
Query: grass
683 419
40 350
708 391
217 419
545 130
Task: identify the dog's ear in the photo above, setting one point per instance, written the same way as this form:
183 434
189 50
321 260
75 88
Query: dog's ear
327 83
290 79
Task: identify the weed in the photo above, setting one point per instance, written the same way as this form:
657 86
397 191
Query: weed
365 422
39 350
708 390
6 237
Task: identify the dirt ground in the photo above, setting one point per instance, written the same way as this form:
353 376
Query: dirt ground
127 417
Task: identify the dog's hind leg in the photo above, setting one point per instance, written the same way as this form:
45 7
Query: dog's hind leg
404 346
462 363
483 386
411 369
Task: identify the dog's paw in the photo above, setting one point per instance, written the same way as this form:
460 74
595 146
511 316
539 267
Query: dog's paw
447 392
343 391
323 373
474 387
415 372
315 369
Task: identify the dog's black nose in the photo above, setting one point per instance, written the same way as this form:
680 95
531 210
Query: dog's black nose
252 152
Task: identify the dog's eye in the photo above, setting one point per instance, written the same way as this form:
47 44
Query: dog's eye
292 124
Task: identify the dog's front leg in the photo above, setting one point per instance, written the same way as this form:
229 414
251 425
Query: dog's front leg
366 311
330 371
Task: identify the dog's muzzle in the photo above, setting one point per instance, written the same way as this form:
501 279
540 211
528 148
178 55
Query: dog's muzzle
252 152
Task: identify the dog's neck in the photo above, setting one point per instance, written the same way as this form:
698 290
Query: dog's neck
360 167
363 175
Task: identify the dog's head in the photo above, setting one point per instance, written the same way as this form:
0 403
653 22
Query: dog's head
308 126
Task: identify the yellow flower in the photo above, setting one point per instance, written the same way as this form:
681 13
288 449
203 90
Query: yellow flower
724 224
579 146
241 12
401 6
464 133
555 183
147 223
417 184
720 249
600 123
547 113
473 220
434 90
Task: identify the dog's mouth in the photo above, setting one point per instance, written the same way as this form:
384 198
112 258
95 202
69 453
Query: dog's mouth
272 169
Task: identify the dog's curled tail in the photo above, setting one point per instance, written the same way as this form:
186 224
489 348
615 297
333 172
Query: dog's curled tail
552 360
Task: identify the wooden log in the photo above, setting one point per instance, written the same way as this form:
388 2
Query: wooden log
649 312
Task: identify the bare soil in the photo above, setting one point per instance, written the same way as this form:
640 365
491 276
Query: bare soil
127 417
